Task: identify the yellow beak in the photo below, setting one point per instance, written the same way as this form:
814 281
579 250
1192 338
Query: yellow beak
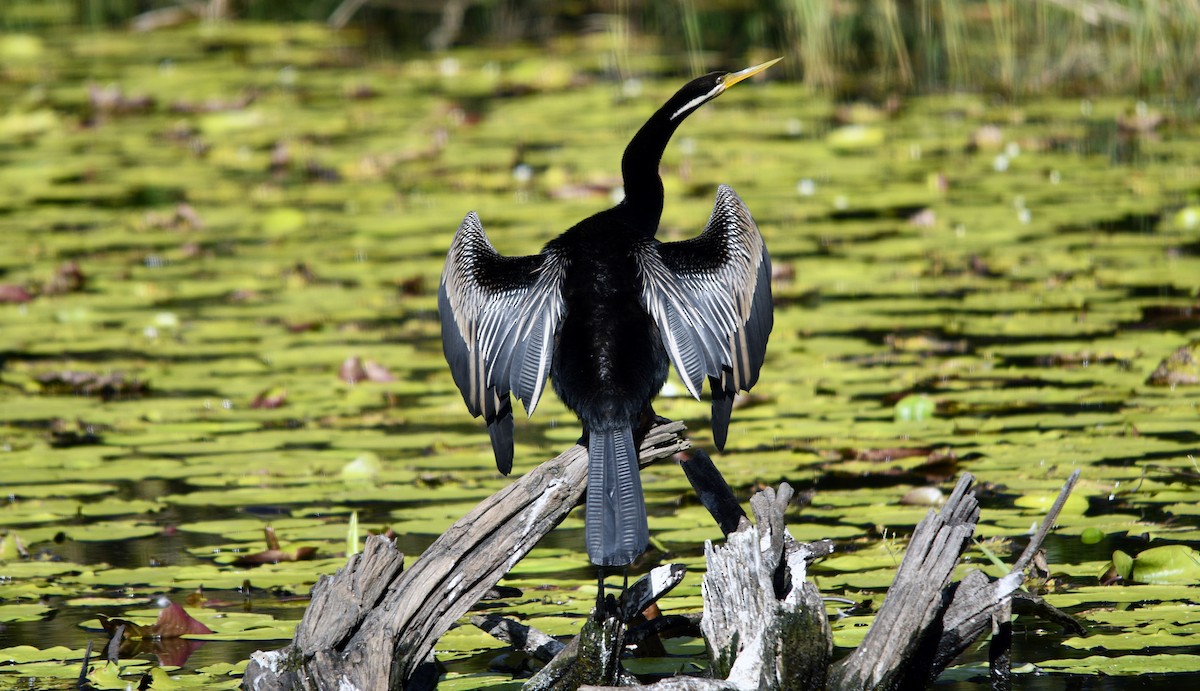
735 77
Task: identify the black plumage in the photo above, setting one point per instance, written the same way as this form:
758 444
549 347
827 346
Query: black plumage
602 311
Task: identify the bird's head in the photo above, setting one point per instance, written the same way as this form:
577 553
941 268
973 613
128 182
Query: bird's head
704 89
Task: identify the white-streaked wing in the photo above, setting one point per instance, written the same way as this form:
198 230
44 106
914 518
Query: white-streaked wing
711 299
499 317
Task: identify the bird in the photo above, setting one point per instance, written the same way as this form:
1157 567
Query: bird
601 311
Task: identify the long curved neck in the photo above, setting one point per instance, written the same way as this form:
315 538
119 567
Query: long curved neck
639 168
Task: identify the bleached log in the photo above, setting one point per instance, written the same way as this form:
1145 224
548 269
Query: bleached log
378 640
920 629
374 625
913 602
763 621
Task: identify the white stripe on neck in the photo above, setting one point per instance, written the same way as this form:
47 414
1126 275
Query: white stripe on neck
697 102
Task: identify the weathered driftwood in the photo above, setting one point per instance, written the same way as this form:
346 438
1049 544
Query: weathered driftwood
594 655
522 638
764 623
372 625
763 620
925 622
923 625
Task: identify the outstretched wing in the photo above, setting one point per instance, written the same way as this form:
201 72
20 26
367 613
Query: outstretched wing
711 299
499 319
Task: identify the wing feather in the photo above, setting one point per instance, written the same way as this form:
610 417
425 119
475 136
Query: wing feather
499 317
711 299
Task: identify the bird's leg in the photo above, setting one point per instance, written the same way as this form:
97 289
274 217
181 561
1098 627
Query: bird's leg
598 610
625 616
646 422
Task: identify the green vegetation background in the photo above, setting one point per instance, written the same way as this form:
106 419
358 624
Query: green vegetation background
984 219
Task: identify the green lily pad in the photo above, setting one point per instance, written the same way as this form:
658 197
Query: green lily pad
23 612
1165 565
1125 665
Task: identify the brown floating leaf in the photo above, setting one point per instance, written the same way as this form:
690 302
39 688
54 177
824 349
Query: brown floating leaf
925 218
413 286
320 172
214 105
13 293
125 629
270 398
184 217
68 278
1081 359
174 652
106 386
243 295
303 327
352 371
986 138
377 372
1140 121
783 273
355 370
273 554
111 100
890 454
361 92
174 621
1179 368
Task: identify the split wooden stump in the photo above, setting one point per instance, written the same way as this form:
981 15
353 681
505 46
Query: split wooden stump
374 625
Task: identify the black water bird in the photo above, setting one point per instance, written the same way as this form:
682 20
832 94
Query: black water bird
601 311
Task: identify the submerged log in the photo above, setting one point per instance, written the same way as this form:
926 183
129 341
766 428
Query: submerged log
372 625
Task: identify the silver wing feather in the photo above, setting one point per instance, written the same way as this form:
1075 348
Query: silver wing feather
711 299
499 317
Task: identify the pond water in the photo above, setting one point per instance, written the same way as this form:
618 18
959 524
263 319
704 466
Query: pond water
202 225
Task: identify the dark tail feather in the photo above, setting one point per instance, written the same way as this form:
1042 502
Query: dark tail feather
722 408
616 511
500 429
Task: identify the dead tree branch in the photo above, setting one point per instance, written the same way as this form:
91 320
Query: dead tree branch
371 625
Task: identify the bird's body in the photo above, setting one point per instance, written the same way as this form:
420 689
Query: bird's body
609 362
602 311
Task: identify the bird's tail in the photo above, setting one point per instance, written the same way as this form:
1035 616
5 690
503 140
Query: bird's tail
616 511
